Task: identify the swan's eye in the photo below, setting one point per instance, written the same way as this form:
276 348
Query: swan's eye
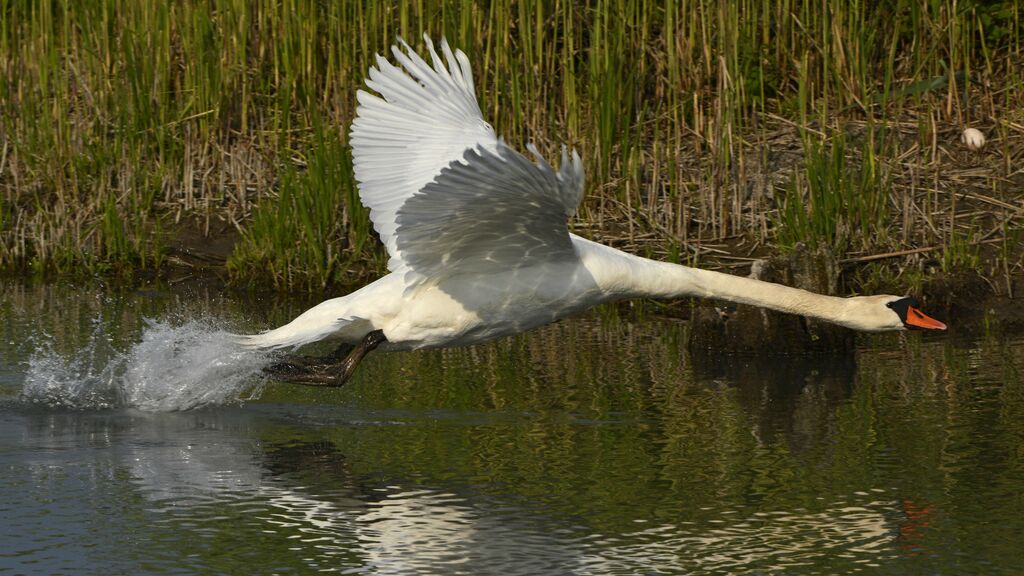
890 305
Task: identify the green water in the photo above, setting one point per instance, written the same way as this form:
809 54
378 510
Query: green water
593 446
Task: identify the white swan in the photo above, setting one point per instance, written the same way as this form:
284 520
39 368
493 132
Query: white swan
478 239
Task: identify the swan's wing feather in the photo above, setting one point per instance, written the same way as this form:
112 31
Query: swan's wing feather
491 212
421 118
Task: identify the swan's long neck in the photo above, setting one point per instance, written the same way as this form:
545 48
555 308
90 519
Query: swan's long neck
623 275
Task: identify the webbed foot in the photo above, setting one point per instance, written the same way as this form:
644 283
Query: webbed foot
331 370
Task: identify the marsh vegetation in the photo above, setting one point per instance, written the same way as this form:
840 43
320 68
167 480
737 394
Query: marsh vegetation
134 136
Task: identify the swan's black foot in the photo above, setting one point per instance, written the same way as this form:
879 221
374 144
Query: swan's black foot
331 370
294 366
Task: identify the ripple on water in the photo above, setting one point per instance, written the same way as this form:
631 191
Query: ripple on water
857 533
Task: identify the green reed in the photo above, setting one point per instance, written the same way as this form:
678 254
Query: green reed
306 236
831 204
120 120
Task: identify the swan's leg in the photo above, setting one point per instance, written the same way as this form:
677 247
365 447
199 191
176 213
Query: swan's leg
339 373
295 366
333 373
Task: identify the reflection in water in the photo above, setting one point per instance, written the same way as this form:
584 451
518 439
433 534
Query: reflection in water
779 541
588 447
789 396
205 484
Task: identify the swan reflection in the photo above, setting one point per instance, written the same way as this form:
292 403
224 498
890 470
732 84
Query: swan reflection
229 483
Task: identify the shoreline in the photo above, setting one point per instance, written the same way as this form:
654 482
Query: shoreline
964 299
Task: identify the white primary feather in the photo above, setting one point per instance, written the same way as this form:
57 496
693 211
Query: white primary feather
421 120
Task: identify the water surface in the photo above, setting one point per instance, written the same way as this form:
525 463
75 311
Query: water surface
134 438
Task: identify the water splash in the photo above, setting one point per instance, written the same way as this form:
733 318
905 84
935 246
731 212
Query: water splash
87 380
172 367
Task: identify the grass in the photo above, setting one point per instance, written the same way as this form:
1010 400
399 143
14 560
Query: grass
307 235
708 127
830 204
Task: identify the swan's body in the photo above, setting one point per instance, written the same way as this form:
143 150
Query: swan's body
477 233
465 310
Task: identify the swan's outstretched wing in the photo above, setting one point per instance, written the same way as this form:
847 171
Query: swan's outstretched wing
424 118
443 191
493 212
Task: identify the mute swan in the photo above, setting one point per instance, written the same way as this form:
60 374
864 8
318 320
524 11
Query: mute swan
478 241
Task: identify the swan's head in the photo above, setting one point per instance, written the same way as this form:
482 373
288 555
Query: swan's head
885 313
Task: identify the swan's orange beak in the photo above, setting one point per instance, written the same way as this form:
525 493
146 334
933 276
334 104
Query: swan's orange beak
919 319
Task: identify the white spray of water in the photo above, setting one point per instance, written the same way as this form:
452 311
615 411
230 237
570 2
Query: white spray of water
173 367
87 380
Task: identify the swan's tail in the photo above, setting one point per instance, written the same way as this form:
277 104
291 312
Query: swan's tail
341 319
295 334
269 340
317 323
